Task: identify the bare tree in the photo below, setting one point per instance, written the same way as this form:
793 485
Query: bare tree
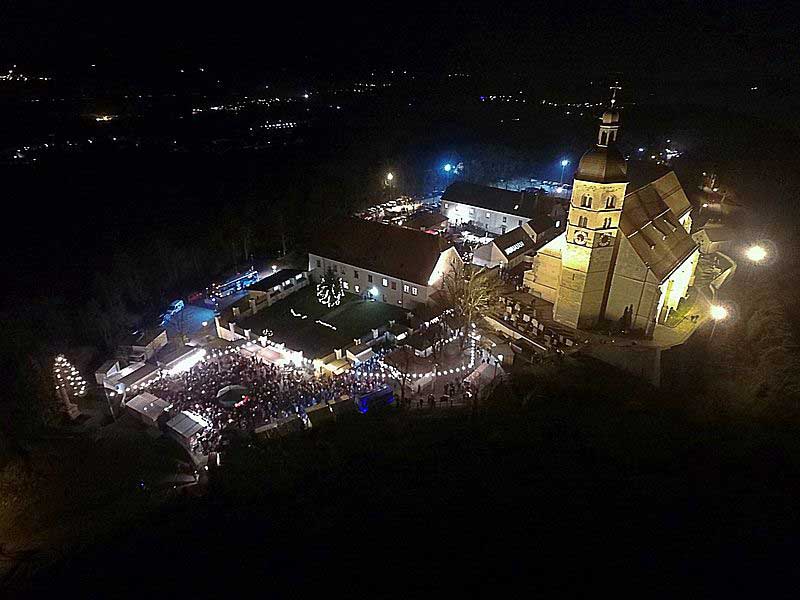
470 292
405 373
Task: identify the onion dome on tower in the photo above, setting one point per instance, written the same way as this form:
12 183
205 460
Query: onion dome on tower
604 163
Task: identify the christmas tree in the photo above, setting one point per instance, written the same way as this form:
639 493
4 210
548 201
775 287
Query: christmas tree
330 290
69 384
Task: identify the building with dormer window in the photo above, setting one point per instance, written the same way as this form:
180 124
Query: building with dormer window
626 252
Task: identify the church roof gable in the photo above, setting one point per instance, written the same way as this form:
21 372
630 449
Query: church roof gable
654 231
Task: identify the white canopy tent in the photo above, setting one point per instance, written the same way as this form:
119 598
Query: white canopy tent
147 407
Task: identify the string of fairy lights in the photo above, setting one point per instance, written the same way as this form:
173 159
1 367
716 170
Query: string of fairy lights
398 374
67 379
384 370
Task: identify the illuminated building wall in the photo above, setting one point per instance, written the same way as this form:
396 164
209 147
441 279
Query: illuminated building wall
543 279
586 261
633 285
490 220
383 287
676 286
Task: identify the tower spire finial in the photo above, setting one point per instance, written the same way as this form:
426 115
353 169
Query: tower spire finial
614 88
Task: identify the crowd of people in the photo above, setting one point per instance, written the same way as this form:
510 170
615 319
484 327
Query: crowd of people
456 391
271 393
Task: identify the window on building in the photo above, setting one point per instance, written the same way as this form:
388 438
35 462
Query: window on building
355 274
414 291
582 221
385 282
446 205
334 268
611 201
502 228
472 211
357 288
519 222
319 264
394 285
488 214
345 285
606 222
369 278
406 288
586 201
504 219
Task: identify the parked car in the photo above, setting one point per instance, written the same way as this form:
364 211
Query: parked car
173 309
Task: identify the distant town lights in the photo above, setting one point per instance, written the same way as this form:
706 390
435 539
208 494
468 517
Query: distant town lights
564 162
448 167
389 176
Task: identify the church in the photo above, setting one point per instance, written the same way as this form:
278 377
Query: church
626 254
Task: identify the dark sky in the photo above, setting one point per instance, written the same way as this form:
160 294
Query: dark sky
719 40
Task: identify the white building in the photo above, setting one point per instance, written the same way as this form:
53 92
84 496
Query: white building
516 246
493 209
390 264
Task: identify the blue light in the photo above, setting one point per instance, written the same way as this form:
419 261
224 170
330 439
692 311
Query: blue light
448 167
564 162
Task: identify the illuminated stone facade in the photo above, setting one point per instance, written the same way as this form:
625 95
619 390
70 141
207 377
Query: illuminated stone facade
588 254
626 252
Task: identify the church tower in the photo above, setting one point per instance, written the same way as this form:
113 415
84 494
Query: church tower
598 192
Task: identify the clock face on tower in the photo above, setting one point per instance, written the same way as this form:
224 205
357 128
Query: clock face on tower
605 240
580 238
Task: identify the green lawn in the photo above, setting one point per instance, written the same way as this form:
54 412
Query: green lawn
359 317
352 318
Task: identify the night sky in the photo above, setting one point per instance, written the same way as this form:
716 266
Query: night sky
717 40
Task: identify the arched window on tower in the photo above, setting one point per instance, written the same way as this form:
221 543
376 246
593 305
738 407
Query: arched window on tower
586 201
611 201
582 221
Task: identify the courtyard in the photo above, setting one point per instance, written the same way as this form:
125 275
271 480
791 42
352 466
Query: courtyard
302 323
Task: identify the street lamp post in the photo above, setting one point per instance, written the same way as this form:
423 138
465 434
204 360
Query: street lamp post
755 254
390 183
718 313
498 359
448 170
564 164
